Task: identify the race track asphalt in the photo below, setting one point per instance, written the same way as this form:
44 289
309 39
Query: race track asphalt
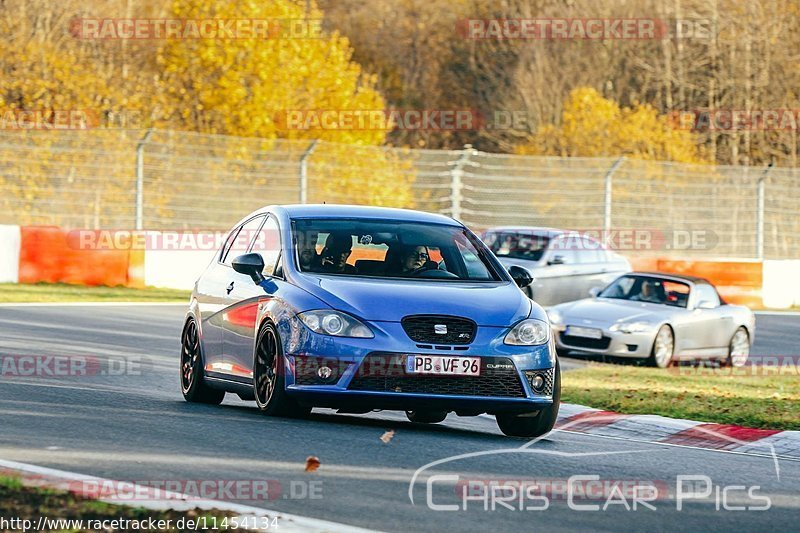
135 426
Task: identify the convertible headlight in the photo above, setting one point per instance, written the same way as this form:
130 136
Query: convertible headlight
335 323
529 332
631 327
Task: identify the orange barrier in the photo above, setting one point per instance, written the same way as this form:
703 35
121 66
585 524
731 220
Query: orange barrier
51 254
47 255
739 282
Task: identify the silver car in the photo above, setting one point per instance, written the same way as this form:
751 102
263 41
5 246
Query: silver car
659 317
565 265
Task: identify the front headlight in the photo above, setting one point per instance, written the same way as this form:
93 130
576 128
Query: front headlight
554 316
530 332
631 327
335 323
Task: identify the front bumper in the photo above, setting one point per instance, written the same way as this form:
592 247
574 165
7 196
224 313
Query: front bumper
614 343
371 373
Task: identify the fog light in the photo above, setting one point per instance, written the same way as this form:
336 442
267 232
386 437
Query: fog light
324 372
537 383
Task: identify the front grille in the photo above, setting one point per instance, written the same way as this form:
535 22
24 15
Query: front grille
583 342
385 372
549 381
452 329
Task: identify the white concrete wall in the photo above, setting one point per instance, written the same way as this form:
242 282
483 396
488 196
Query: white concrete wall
175 269
10 238
781 288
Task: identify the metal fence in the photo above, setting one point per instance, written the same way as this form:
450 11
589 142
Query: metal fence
179 180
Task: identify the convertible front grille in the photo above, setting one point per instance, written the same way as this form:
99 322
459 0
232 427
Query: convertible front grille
584 342
439 329
386 372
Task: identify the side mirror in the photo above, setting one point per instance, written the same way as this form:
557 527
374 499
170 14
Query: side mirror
520 276
705 304
250 264
556 260
594 291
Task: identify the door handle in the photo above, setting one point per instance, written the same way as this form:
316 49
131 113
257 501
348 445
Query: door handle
230 288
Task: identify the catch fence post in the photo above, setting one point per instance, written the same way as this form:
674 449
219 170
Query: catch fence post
760 211
140 178
609 183
304 171
456 185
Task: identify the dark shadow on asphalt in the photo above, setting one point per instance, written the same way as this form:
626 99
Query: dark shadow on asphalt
345 419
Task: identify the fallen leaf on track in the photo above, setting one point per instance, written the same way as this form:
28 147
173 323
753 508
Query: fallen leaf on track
312 463
386 437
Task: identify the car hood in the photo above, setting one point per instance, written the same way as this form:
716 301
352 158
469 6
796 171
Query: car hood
488 304
608 311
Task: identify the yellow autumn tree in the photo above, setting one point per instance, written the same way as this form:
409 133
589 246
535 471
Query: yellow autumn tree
249 86
54 106
593 126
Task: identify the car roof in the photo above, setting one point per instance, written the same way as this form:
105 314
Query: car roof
538 230
678 277
360 211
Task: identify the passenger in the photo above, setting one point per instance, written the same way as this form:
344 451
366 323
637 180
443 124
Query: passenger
333 258
413 259
307 249
651 292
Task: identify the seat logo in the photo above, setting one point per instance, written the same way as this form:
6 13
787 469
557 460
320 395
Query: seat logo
440 329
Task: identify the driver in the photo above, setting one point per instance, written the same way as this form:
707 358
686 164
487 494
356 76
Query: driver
649 293
413 259
333 258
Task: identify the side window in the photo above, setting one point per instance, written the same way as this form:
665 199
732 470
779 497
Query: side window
590 251
228 243
268 244
240 243
564 247
475 267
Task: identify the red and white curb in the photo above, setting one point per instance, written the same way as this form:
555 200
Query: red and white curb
678 432
32 475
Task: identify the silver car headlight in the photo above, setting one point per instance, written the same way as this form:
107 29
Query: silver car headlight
555 317
335 323
631 327
529 332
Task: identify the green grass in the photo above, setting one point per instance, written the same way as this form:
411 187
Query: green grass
707 395
29 503
62 292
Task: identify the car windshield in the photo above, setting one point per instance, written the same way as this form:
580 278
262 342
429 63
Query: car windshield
388 249
648 289
515 245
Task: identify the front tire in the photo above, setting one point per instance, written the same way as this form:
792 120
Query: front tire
534 426
426 417
269 377
663 348
738 349
193 386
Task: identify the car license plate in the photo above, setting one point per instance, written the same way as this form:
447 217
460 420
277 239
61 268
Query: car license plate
443 365
589 333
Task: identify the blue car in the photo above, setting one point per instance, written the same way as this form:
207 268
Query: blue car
362 308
